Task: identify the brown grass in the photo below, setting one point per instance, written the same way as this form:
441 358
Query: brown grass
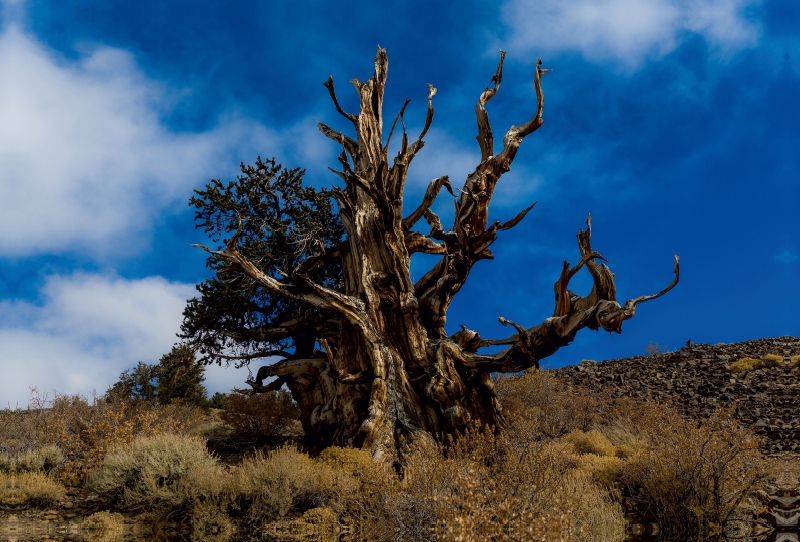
744 364
557 470
772 360
29 489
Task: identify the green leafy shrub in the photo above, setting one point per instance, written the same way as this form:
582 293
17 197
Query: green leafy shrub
218 400
744 365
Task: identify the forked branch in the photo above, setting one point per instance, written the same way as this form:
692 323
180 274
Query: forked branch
485 137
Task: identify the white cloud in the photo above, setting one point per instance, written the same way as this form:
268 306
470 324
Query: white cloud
627 31
86 160
89 328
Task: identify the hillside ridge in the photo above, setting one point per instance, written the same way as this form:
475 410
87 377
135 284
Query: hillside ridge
697 379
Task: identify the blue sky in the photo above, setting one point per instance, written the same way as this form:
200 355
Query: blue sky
673 122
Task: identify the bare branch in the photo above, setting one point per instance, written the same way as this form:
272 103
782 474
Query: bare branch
256 355
612 320
516 134
437 231
485 137
329 85
517 219
320 297
430 196
394 123
564 303
418 144
347 143
416 242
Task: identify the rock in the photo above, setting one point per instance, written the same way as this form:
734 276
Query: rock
698 379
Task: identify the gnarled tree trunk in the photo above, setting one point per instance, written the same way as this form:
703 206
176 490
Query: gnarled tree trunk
385 371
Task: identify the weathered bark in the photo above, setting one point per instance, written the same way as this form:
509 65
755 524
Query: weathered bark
388 373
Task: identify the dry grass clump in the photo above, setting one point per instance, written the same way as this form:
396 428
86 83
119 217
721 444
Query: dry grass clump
771 360
27 488
592 442
795 360
44 459
744 364
157 473
25 480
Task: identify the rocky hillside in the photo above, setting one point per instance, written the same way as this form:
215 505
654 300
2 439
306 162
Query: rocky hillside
698 378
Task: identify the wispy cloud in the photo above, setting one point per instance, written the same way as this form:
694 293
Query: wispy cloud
86 160
627 31
787 257
87 329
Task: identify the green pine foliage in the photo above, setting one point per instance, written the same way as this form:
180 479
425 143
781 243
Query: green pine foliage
277 218
178 377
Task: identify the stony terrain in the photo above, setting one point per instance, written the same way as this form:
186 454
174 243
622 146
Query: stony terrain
697 379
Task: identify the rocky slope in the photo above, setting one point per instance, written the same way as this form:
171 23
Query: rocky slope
697 379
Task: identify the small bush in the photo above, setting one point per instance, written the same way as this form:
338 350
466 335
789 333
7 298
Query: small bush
592 442
270 485
654 349
694 475
259 418
104 527
795 360
158 473
217 400
744 364
29 488
44 459
772 360
210 521
553 409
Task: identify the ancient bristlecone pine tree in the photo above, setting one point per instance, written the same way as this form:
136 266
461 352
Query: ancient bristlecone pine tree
378 368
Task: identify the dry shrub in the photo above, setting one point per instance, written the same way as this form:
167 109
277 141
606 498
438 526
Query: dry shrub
314 525
744 364
259 418
269 485
44 459
772 360
694 475
795 360
29 489
158 473
85 430
592 442
211 522
104 527
557 409
486 484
